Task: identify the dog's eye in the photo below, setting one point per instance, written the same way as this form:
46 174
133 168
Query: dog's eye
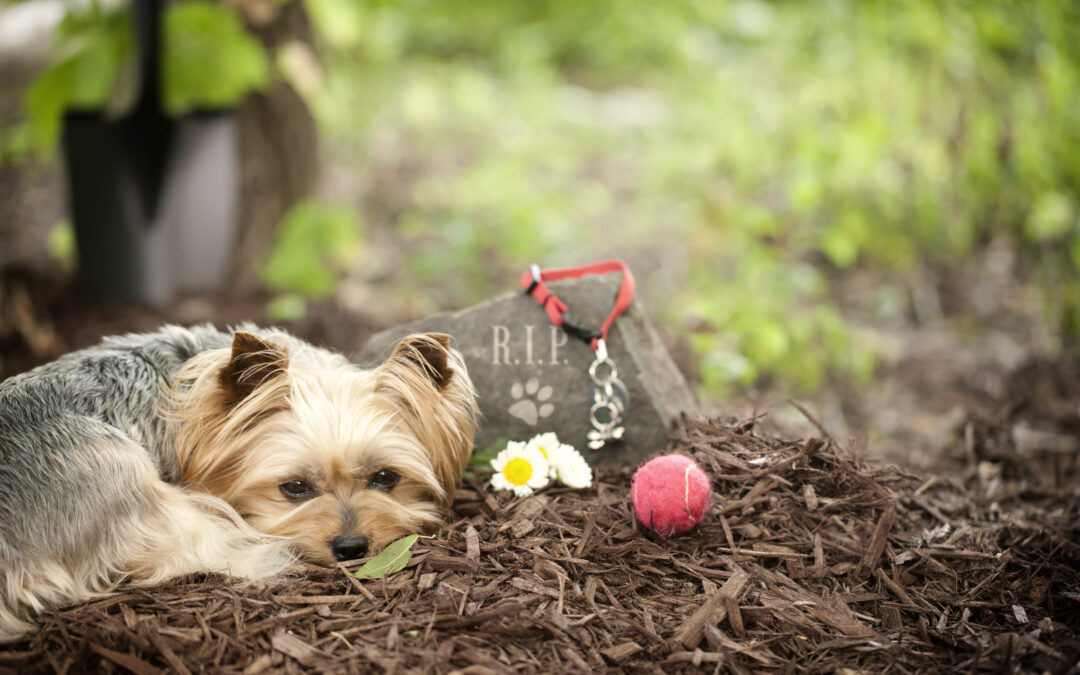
297 490
383 480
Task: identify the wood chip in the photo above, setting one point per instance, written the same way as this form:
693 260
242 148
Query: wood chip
261 664
472 546
446 562
522 527
132 663
954 553
891 619
167 652
426 581
290 645
530 586
835 613
712 610
876 546
316 599
621 652
734 615
896 588
695 658
504 609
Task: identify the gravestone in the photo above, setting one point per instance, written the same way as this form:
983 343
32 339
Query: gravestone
532 377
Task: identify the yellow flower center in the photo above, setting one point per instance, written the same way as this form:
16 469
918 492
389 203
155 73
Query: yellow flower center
543 451
518 471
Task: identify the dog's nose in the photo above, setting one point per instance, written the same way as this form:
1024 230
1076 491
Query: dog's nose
349 548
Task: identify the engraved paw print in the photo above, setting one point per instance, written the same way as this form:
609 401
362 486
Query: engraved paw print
533 406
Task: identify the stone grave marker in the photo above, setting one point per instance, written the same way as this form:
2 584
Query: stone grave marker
532 377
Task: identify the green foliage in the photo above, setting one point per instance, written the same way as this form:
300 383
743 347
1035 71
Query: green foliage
769 148
482 460
315 243
286 307
209 61
93 46
391 559
339 22
314 246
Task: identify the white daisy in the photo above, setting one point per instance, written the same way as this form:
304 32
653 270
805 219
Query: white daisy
567 464
571 468
520 468
549 446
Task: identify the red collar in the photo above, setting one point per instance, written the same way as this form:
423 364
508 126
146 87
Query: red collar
533 283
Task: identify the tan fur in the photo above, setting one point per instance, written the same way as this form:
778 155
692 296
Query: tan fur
241 423
332 425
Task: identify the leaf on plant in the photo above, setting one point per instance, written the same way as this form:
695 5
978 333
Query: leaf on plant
482 459
1050 218
210 59
286 307
391 559
315 243
93 47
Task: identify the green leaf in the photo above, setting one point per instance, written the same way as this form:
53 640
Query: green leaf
482 459
1050 218
341 22
94 46
210 59
315 243
391 559
286 307
840 247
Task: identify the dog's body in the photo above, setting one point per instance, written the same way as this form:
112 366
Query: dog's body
192 450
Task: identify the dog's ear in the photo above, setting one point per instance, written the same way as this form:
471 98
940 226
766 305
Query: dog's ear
427 352
253 363
427 382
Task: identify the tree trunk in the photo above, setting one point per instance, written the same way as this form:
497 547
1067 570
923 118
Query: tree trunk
278 146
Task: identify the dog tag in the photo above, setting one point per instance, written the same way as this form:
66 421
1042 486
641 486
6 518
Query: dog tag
609 400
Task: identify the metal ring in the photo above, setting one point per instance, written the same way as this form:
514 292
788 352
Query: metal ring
604 427
611 378
619 404
604 392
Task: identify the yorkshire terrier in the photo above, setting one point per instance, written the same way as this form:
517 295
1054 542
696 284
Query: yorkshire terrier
160 455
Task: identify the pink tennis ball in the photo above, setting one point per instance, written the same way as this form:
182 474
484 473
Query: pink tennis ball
670 494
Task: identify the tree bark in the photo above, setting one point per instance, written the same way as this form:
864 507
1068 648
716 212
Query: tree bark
278 149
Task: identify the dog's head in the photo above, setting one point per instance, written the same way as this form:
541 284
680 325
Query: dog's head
305 445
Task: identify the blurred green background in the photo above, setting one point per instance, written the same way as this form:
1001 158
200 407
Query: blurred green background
791 181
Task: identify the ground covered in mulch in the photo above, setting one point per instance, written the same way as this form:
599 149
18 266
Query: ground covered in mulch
808 562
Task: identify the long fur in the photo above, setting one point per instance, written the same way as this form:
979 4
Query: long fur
161 455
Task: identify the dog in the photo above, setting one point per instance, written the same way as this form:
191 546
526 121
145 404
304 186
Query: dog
187 450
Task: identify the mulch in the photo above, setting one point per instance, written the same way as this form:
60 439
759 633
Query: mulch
808 562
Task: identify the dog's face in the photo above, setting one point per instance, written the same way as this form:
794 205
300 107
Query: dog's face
339 460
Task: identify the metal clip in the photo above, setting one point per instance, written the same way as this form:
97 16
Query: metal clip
534 269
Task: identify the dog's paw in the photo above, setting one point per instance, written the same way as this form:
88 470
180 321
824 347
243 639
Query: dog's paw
530 401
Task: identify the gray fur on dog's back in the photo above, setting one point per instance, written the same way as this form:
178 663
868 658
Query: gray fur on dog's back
54 494
85 473
116 383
